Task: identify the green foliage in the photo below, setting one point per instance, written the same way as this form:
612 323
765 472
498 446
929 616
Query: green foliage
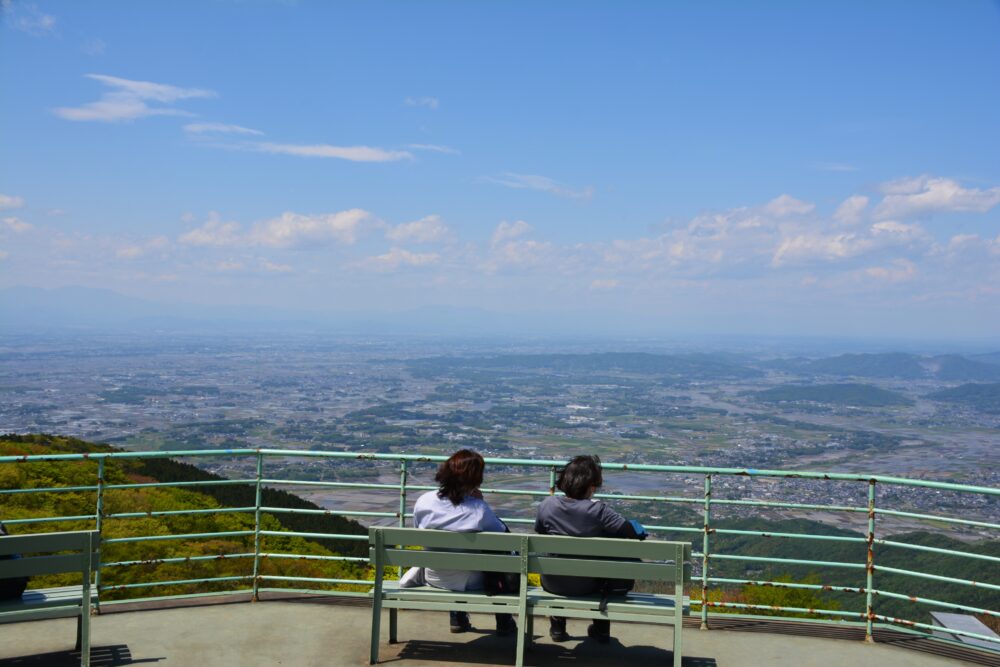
983 397
223 551
860 395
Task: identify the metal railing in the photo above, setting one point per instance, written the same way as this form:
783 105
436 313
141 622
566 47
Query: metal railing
867 572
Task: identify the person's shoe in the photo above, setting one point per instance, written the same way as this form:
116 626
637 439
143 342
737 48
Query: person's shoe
460 622
599 635
557 629
506 625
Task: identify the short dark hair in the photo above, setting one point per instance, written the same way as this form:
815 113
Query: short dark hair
460 475
581 473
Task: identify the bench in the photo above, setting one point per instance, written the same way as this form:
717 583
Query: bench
52 553
664 562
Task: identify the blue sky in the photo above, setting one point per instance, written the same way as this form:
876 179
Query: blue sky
729 167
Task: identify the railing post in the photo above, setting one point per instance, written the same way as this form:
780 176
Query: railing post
256 528
99 526
402 503
707 521
552 481
870 564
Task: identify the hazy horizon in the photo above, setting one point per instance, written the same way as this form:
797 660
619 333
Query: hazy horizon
817 170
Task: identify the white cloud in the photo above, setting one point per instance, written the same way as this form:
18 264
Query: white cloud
136 250
603 284
214 232
424 101
425 230
850 212
352 153
27 17
272 267
9 201
398 258
434 148
294 230
899 271
506 231
17 225
128 100
224 128
925 195
539 183
786 205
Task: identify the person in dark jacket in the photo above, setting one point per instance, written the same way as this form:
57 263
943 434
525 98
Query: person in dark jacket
578 514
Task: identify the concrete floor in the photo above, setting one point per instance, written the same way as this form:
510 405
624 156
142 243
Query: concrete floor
321 634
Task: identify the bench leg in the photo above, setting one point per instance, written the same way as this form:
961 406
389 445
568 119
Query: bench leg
678 627
79 633
83 638
393 624
529 629
376 629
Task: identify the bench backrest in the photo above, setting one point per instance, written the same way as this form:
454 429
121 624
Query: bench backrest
601 557
415 547
542 554
43 553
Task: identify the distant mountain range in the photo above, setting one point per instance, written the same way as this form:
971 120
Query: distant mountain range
898 365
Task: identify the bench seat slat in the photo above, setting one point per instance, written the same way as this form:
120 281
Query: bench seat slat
604 547
609 569
450 539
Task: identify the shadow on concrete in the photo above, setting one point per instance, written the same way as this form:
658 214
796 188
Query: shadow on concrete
490 650
100 656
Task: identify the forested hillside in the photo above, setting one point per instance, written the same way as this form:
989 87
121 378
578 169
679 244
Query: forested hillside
223 550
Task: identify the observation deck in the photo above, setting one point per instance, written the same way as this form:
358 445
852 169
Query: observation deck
176 581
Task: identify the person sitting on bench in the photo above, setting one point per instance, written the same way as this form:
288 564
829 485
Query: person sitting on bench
458 505
577 514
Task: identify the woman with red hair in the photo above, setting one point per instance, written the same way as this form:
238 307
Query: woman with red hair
458 505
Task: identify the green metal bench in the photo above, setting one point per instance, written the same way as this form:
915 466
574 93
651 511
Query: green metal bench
52 553
665 562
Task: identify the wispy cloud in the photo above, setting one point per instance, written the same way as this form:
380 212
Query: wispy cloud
352 153
295 230
27 17
435 148
397 258
220 128
425 230
17 225
539 183
128 100
94 47
10 201
424 101
925 195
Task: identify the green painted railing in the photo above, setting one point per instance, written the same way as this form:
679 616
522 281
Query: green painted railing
868 570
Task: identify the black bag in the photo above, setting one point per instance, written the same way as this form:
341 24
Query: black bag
501 583
12 587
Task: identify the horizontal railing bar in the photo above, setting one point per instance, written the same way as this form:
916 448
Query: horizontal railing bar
936 603
937 550
677 529
803 536
176 582
350 559
784 505
177 559
187 536
156 485
936 628
50 519
336 485
317 591
935 517
214 510
186 596
296 510
791 610
937 577
320 536
318 580
787 584
535 463
788 561
50 489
